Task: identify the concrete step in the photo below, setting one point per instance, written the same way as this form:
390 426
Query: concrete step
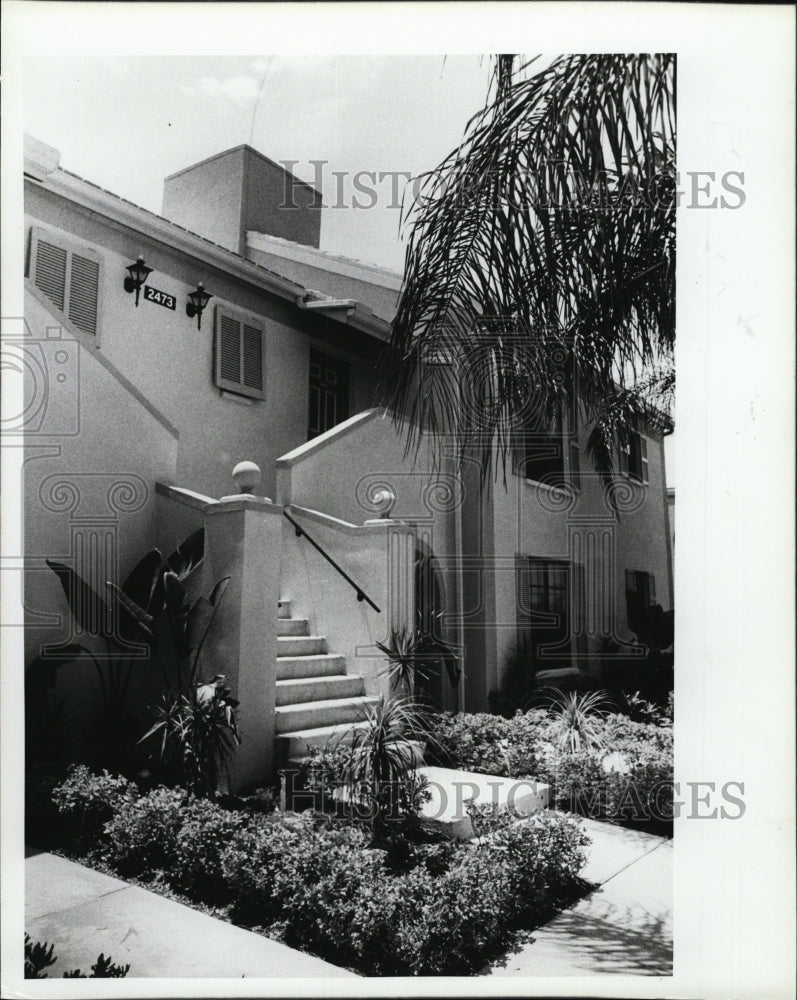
300 645
330 712
320 665
297 691
283 609
292 626
294 745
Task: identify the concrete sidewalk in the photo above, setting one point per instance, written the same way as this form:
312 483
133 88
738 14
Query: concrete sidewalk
83 912
623 928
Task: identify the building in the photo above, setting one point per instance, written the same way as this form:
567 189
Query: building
138 413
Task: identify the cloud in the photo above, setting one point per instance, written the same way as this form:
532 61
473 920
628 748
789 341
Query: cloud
239 89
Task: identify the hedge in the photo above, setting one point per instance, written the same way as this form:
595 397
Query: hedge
324 886
629 781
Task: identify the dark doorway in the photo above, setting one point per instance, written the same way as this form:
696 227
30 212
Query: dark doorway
329 393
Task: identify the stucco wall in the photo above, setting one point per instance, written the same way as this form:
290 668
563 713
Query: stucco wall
521 521
275 202
223 196
338 475
162 352
375 558
89 474
207 199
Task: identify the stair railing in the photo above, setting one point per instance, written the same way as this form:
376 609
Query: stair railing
361 595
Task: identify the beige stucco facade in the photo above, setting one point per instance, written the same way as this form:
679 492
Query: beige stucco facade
150 410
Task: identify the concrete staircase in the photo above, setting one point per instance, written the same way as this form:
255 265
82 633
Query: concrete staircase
316 699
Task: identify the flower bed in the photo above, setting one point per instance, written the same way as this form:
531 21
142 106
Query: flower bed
324 885
627 779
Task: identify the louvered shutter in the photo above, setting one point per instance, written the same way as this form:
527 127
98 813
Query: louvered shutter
49 270
230 350
252 369
84 285
69 277
239 354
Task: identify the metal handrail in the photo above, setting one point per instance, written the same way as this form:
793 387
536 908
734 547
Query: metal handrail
361 595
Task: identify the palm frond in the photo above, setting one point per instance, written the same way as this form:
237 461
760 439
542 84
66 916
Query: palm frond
540 265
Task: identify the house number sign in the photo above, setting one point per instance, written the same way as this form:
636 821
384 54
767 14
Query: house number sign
160 298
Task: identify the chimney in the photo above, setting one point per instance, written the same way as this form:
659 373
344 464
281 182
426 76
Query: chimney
239 190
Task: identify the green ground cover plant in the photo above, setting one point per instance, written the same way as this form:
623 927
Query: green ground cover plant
617 769
327 885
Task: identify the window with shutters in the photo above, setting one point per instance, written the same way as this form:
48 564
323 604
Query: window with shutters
239 347
69 275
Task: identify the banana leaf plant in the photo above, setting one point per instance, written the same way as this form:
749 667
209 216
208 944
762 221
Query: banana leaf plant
150 615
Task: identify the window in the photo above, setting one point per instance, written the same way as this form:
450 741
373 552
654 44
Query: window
239 350
329 393
542 457
543 604
69 275
634 457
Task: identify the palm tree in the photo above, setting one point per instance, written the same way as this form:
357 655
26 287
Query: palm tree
540 266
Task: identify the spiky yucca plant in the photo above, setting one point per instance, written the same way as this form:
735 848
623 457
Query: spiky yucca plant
379 768
578 718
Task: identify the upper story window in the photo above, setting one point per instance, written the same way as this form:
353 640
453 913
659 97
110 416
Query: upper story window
69 275
239 353
541 456
328 393
634 457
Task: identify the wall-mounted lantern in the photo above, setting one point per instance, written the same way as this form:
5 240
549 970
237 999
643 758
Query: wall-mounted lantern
199 299
138 274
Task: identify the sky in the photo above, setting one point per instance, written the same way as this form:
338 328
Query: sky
126 123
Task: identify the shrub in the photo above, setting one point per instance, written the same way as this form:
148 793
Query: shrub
446 924
449 923
142 836
252 862
89 800
638 739
635 792
489 743
438 908
205 834
326 882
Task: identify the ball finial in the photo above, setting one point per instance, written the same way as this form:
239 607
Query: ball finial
246 475
385 499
